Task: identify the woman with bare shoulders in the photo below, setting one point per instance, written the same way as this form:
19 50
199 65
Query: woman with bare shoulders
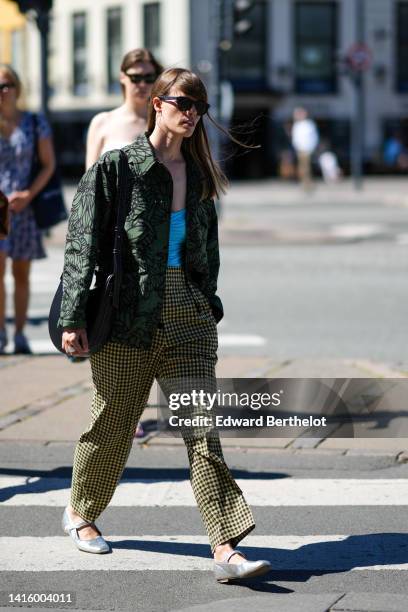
116 128
121 126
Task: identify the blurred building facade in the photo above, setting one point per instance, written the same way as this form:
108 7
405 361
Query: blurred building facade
308 45
87 42
294 55
12 35
288 53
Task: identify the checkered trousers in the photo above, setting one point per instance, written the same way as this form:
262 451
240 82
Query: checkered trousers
183 352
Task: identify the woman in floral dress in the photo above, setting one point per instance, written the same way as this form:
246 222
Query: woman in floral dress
20 134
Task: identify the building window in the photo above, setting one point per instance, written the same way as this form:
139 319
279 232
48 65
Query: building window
245 63
315 47
151 26
402 47
114 47
79 50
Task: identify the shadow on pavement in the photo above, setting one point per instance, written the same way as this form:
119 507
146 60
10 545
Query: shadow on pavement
315 559
54 480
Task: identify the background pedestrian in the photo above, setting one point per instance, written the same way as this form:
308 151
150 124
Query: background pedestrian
20 135
122 125
305 139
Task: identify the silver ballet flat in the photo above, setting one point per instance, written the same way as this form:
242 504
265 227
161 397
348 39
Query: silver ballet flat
98 545
224 571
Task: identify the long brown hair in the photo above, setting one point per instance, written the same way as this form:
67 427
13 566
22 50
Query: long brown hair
197 146
139 55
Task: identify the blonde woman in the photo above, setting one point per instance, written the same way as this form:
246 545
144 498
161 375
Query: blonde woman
21 133
166 324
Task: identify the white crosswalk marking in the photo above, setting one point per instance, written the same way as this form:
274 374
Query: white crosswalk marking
241 340
149 552
39 347
258 492
358 230
45 346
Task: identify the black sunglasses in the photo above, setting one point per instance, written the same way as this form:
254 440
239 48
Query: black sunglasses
138 78
6 86
184 104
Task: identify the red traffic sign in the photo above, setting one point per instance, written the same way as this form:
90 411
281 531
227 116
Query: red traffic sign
359 57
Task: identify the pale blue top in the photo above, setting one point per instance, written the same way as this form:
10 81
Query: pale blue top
177 237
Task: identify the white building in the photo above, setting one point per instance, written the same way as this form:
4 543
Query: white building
87 42
288 57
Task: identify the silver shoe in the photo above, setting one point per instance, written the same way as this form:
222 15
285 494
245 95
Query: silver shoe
97 545
225 571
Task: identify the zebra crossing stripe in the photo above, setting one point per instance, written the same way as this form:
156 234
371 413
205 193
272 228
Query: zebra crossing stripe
45 346
241 340
37 491
39 346
189 553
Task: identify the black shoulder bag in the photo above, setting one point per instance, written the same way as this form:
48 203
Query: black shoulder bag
103 298
48 205
4 216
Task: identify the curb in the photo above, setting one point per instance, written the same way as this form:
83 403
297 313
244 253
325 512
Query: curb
397 456
381 370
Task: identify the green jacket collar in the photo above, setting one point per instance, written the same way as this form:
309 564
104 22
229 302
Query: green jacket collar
141 154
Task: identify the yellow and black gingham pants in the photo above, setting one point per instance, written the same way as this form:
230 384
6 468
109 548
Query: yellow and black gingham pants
184 347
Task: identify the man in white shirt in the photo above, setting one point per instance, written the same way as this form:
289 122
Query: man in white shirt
305 139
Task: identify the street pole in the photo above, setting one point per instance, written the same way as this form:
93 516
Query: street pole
359 114
205 36
43 24
215 29
39 10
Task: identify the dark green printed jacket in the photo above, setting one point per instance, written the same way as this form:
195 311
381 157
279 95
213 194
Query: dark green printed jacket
89 241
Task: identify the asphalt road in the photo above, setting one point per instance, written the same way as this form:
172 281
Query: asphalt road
319 301
297 298
292 301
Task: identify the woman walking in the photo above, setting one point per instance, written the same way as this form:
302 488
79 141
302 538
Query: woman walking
22 136
122 125
166 324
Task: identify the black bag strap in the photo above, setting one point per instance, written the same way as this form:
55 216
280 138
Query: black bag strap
35 156
121 194
34 121
120 206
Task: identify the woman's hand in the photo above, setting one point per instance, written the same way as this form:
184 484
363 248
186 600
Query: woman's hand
19 200
75 342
